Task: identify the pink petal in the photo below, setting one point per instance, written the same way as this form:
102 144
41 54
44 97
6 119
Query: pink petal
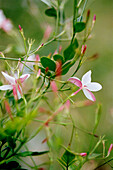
39 73
19 89
37 57
89 94
67 105
75 81
14 92
47 32
10 79
54 86
86 79
6 87
24 77
94 86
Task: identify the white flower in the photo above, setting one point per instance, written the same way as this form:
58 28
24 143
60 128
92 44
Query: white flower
86 85
5 23
15 84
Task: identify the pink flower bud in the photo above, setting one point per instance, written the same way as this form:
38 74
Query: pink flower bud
54 87
42 44
47 32
8 109
83 49
58 70
37 57
60 48
20 28
110 149
15 92
94 18
88 13
46 69
83 154
67 105
39 73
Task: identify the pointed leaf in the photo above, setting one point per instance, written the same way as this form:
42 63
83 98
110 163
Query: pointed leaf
47 62
79 26
29 153
51 12
67 159
70 51
58 57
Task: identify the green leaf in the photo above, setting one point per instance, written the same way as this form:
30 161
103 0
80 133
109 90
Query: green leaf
51 12
29 153
66 67
70 51
67 159
79 26
58 57
47 62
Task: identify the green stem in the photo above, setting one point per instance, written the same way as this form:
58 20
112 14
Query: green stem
74 18
71 136
83 10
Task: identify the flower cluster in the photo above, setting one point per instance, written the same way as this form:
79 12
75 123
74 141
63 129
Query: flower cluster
15 84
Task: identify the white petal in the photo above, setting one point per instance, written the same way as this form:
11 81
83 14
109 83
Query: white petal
10 79
86 79
89 95
25 75
6 87
19 95
94 86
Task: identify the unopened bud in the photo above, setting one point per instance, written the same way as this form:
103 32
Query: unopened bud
20 28
94 18
93 22
39 73
110 149
88 15
83 49
46 70
47 32
83 154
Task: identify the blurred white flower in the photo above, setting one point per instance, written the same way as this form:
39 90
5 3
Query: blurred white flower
5 23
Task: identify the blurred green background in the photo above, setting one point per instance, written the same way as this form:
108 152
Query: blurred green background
30 15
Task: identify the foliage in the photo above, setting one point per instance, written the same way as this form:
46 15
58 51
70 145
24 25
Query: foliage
46 95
